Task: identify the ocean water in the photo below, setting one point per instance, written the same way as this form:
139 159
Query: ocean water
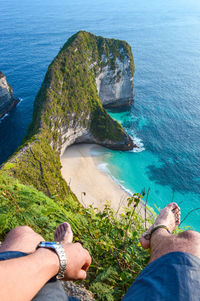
165 116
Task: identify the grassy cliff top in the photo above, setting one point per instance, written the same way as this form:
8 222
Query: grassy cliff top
112 242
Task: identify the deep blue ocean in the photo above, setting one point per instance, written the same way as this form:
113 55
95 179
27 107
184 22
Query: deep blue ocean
165 116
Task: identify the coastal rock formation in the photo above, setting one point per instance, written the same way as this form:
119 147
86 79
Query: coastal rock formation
7 101
115 82
68 109
69 98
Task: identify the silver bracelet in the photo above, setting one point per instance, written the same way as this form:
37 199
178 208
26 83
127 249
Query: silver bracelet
60 251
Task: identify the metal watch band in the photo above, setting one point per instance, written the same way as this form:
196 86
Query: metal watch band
58 248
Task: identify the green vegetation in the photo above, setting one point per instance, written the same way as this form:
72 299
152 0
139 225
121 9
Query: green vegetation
105 128
39 165
67 99
32 190
112 241
69 87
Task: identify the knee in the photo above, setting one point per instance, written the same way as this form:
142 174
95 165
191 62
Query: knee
21 230
190 235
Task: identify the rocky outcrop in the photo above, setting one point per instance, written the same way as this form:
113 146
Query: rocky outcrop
7 101
83 135
88 72
77 291
68 110
115 84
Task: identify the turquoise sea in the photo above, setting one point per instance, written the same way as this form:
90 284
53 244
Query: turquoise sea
165 116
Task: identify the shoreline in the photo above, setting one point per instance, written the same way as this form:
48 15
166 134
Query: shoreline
92 185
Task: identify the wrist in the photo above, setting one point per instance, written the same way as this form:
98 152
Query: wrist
59 250
48 261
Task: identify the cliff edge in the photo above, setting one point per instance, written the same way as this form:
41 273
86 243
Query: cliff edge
68 110
7 101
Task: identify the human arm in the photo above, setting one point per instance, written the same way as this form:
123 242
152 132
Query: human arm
21 278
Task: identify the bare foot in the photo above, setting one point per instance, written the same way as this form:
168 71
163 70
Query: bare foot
169 216
64 233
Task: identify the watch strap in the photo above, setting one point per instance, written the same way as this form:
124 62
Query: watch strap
60 251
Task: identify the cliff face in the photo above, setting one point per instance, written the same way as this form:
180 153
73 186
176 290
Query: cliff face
68 110
7 101
89 71
115 83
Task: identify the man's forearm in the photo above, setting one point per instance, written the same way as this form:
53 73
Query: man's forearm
22 278
35 270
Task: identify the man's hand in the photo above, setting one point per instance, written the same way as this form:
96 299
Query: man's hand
78 261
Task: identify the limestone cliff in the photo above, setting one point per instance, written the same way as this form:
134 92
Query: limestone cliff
68 102
115 81
68 109
7 101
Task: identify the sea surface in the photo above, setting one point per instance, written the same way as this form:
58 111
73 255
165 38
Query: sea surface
165 116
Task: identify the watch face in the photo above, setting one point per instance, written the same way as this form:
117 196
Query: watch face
48 244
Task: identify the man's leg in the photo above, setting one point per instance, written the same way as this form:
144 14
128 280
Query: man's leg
162 242
174 276
24 239
21 239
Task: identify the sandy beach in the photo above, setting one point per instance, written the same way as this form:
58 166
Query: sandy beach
91 185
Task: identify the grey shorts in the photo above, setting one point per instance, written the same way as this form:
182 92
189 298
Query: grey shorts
51 291
172 277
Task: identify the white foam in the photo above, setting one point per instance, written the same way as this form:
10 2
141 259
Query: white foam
104 167
20 100
6 115
2 118
95 153
140 146
120 183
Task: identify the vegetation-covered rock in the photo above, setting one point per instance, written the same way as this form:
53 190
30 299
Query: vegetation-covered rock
68 105
68 110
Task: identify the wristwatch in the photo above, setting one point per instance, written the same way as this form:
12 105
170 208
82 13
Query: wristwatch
59 250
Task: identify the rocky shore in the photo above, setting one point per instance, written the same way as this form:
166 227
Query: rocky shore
7 101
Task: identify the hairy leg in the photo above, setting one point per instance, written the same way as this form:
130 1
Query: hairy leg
22 239
163 243
169 216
